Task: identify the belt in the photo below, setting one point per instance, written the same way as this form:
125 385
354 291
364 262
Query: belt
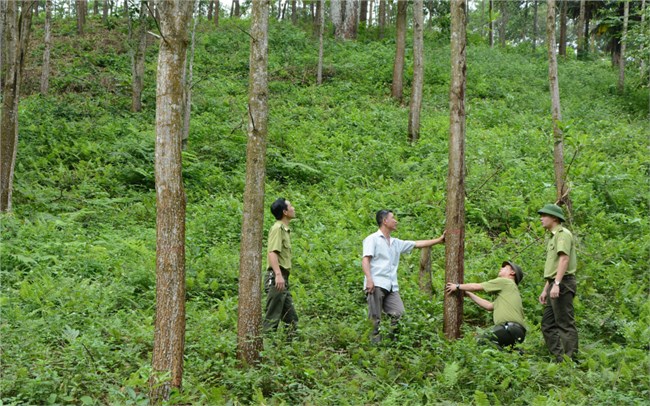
564 278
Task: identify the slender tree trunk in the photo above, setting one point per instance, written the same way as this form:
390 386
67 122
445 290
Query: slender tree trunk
363 13
455 213
643 29
81 17
105 13
15 38
491 26
350 21
400 49
95 7
189 78
535 26
580 31
249 340
45 71
210 7
321 28
503 23
237 8
621 60
556 114
294 12
418 71
424 276
564 6
169 331
371 8
138 61
217 8
382 18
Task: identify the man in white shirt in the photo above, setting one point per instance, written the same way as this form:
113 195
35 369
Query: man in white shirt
381 254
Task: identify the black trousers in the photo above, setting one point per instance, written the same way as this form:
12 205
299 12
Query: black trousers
507 334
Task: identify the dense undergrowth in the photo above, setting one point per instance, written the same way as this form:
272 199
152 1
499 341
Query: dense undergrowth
78 252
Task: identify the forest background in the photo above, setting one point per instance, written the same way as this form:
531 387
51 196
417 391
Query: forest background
78 249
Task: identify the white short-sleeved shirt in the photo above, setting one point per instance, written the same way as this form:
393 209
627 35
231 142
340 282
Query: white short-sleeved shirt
385 259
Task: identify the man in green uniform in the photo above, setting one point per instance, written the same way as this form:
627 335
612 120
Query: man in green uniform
558 321
279 303
508 310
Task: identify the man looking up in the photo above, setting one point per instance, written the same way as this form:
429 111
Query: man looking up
381 254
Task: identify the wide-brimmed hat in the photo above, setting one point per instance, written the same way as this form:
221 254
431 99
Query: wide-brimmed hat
553 210
519 274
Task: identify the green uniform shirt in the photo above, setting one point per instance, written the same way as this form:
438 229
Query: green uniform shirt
507 305
561 242
280 242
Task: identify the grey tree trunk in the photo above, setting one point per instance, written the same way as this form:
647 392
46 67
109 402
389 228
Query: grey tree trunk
564 6
424 276
294 12
45 71
169 331
556 114
621 60
535 26
582 43
321 28
382 18
138 58
336 11
503 23
350 21
455 213
15 38
105 13
400 49
418 71
249 340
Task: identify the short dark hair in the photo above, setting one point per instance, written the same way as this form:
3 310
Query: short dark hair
381 216
278 207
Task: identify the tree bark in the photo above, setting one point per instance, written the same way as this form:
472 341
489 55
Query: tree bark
249 340
621 60
105 13
138 58
294 12
491 26
210 8
382 18
45 71
81 17
169 334
350 21
535 26
582 44
217 7
424 276
418 71
563 31
15 38
503 23
556 114
336 11
363 12
400 49
321 28
455 213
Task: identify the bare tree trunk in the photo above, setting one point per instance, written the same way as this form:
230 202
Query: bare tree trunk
643 29
169 334
15 38
371 8
210 7
363 13
535 26
621 60
95 7
336 11
563 32
503 23
580 31
81 16
237 8
45 71
418 71
137 63
558 137
294 12
350 21
217 7
400 49
382 18
424 276
491 26
321 28
455 213
249 340
188 77
105 13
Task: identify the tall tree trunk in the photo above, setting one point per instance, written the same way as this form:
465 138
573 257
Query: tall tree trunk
17 26
418 71
382 18
81 16
363 13
294 12
320 11
249 340
400 49
535 26
621 60
237 8
503 22
491 26
138 58
556 114
217 8
336 11
424 276
564 6
210 8
580 31
105 13
350 21
455 213
643 29
45 71
188 77
95 7
169 333
371 8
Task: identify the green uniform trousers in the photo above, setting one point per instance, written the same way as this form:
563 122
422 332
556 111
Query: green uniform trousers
558 320
279 304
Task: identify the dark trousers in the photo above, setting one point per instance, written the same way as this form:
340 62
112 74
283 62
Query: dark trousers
558 320
279 304
506 334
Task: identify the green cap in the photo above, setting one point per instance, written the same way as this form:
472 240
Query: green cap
519 274
553 210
